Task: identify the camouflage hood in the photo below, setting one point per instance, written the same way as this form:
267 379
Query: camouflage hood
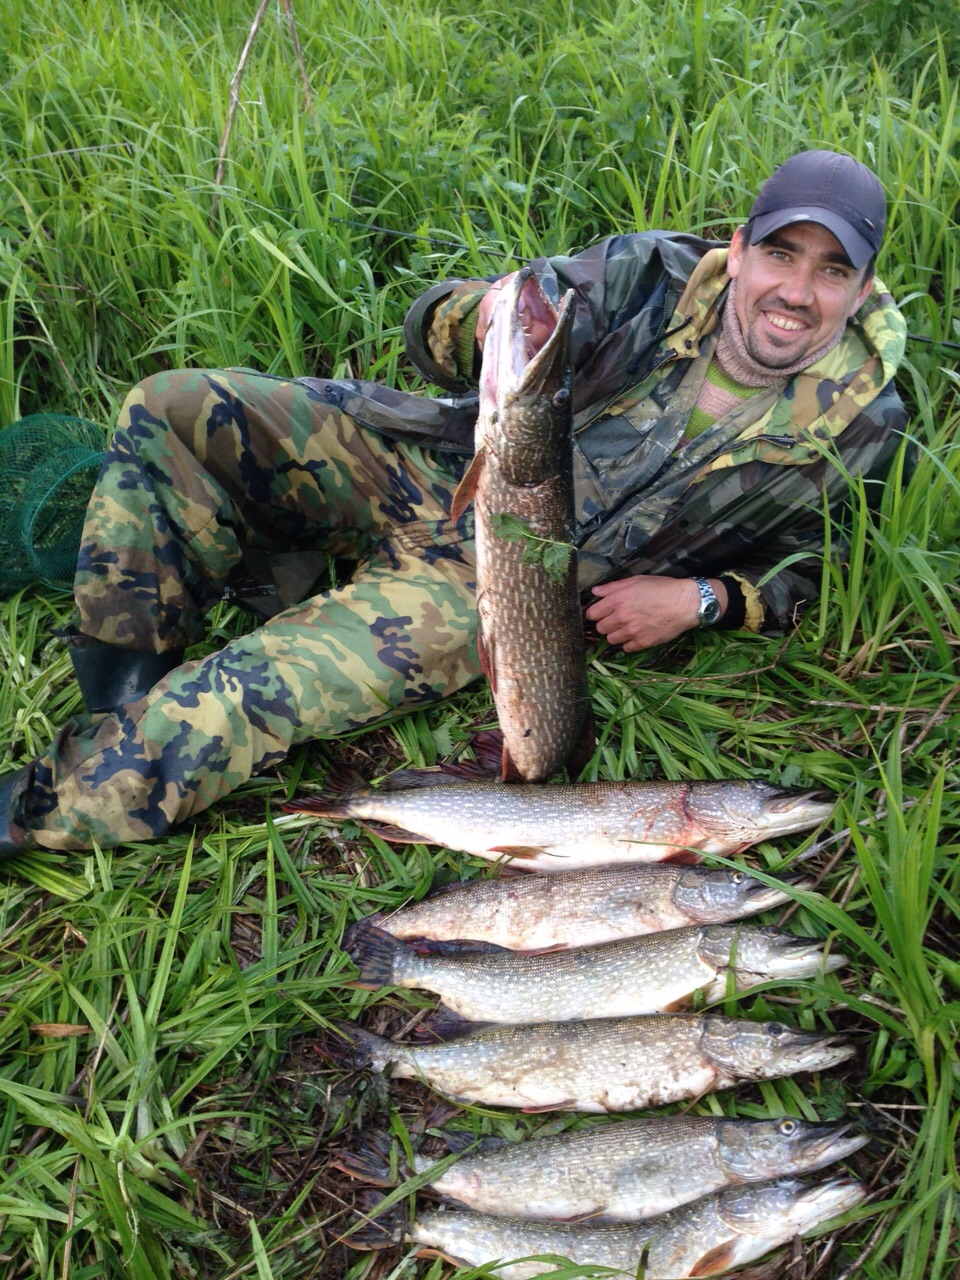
817 403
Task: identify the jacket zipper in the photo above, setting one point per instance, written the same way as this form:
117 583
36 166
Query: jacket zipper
783 442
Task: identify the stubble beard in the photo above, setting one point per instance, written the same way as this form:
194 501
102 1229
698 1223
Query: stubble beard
768 356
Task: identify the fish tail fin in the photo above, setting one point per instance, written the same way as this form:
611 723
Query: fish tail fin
373 1229
352 1047
375 953
373 1158
341 785
487 747
443 1023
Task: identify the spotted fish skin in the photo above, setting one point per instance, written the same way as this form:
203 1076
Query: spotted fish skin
650 974
705 1238
556 827
625 1170
582 908
598 1065
531 624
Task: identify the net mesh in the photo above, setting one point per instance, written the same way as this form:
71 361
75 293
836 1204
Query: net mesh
48 465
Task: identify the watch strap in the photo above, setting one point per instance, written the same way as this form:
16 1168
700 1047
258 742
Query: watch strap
709 612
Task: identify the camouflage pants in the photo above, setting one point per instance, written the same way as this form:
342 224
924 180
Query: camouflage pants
204 469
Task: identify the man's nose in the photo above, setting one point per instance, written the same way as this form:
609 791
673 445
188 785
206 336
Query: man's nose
797 288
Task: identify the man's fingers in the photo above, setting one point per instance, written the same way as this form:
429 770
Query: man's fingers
600 609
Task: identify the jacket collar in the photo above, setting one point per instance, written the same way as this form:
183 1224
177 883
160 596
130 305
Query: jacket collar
821 400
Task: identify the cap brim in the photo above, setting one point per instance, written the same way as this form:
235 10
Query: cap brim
857 249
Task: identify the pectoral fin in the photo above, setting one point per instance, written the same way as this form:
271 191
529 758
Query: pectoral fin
517 851
684 858
486 651
393 835
715 1261
428 1251
678 1006
466 490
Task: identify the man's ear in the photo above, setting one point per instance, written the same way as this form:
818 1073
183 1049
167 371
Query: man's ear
735 254
863 292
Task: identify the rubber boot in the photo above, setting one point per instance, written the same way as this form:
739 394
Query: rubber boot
110 675
13 838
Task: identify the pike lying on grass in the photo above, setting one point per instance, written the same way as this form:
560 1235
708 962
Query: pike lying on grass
625 1170
704 1238
651 974
604 1064
579 908
566 827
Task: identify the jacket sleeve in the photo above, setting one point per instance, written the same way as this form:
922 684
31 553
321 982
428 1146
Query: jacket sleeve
615 282
780 572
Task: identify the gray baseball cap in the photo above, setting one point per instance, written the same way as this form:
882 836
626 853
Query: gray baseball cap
834 190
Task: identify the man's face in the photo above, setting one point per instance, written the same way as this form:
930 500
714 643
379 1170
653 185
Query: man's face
794 291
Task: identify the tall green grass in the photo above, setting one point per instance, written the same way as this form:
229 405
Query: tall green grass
165 1112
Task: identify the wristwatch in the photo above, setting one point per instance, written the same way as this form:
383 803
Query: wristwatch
709 611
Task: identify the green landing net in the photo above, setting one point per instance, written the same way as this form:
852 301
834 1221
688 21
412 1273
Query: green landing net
48 465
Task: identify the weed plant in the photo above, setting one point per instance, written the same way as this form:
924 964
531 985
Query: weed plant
166 1113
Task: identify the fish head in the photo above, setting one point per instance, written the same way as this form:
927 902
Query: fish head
740 813
780 1210
526 397
765 1050
721 893
754 1150
762 955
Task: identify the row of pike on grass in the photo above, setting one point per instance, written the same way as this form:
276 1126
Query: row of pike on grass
711 1191
606 935
664 1197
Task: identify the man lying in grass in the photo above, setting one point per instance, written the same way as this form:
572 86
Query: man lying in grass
723 395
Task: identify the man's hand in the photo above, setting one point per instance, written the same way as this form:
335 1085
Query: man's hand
640 612
533 326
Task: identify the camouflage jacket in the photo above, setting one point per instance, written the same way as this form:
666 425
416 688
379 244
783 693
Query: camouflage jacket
746 497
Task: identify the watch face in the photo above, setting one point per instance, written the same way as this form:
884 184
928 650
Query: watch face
709 612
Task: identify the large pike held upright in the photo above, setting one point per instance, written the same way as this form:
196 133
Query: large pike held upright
521 481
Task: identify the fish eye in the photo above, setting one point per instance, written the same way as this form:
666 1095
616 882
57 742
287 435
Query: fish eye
739 877
560 397
788 1127
776 1029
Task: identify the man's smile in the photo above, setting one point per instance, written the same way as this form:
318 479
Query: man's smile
784 322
